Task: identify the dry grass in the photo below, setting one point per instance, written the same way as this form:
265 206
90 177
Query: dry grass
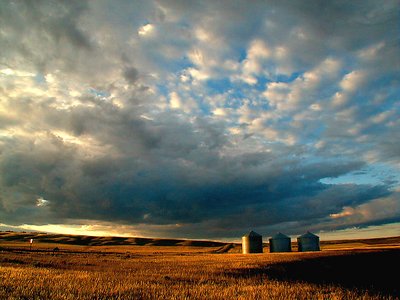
192 272
84 240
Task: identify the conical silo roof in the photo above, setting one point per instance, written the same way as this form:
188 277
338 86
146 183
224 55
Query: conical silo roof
308 235
280 243
280 235
252 234
308 242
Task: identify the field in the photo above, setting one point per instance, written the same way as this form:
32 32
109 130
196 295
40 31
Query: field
79 267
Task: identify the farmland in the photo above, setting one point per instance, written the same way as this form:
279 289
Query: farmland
78 267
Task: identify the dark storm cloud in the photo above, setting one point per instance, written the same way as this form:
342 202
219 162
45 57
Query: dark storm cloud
172 179
161 172
337 26
131 74
34 33
173 175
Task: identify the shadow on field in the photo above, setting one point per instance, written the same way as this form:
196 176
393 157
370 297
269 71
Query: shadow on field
372 271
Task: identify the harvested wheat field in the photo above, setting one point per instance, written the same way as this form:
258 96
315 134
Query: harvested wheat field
176 269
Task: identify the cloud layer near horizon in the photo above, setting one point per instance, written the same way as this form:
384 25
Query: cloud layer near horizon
200 119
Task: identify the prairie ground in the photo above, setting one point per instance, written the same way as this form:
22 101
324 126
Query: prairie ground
186 271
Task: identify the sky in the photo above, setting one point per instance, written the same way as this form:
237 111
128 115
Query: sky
200 119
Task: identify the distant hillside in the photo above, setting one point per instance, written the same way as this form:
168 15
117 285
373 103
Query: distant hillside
372 242
85 240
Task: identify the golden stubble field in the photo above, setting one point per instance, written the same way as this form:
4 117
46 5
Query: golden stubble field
190 272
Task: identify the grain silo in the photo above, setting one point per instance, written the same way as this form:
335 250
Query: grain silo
308 242
280 243
252 243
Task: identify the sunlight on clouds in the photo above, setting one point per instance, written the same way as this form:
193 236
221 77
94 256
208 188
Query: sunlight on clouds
235 130
93 230
24 86
330 67
353 80
283 60
327 69
246 113
88 145
184 78
74 93
385 230
355 130
231 65
249 79
339 99
6 134
50 78
40 202
257 54
52 91
146 29
281 52
269 133
200 75
320 144
289 96
290 139
382 117
258 49
277 94
18 73
196 56
175 100
378 209
315 107
370 53
7 72
146 118
220 112
347 211
18 132
99 228
371 156
68 138
202 35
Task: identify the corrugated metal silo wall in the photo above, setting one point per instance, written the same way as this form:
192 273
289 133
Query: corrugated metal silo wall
280 245
308 244
252 244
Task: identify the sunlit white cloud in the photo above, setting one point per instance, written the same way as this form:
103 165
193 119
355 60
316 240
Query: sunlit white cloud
378 209
146 29
40 202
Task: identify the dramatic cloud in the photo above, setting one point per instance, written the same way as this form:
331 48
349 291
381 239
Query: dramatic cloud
200 119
